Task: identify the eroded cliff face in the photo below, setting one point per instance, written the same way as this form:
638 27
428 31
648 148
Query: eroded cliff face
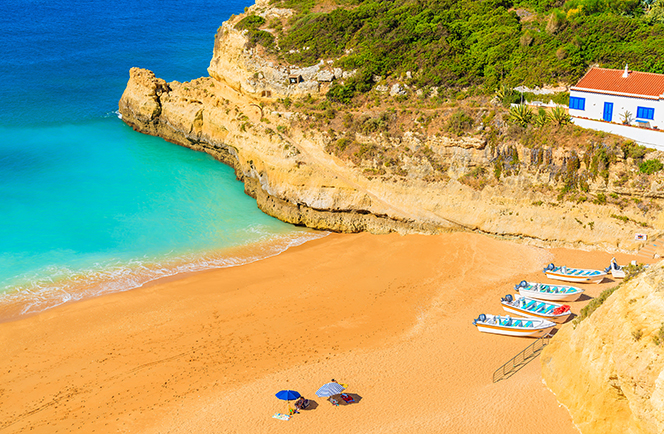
293 178
293 174
609 370
287 181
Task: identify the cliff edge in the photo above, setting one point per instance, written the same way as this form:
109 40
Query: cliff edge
289 180
609 369
301 170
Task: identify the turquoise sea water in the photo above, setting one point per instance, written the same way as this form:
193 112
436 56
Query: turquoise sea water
88 206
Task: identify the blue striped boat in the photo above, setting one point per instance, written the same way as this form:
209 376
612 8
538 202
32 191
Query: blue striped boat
505 325
545 291
530 307
577 275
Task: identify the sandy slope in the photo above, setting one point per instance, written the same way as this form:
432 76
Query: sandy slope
390 315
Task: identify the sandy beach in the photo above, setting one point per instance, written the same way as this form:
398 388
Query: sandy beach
389 315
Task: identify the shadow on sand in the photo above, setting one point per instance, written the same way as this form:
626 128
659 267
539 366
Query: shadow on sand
312 405
357 398
584 297
519 361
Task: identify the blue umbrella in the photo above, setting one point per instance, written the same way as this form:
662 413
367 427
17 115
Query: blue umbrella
287 395
330 389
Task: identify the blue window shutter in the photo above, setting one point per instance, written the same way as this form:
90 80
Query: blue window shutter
645 113
576 103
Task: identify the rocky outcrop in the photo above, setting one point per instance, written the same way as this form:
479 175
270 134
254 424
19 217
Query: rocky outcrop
239 66
291 172
609 370
293 178
205 115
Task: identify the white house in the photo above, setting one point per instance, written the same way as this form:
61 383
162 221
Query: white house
612 94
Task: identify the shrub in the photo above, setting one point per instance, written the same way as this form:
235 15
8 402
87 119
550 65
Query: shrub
659 337
506 95
632 271
475 178
594 304
622 218
559 116
632 150
250 22
255 36
650 166
459 45
459 123
521 115
542 118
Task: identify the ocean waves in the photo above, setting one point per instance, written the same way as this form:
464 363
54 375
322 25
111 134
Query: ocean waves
52 286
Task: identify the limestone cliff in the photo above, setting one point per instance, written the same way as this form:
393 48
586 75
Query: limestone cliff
609 370
287 180
295 175
250 71
294 179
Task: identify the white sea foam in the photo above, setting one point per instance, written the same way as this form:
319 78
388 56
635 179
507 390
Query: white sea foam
64 285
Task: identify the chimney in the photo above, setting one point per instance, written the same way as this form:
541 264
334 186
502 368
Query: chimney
626 73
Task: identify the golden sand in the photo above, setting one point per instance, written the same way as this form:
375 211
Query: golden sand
389 315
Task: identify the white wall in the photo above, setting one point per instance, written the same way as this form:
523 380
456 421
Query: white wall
595 107
642 136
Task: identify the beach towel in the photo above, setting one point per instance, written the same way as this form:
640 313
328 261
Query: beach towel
347 398
281 416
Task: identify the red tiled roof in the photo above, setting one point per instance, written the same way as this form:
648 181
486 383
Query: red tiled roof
644 84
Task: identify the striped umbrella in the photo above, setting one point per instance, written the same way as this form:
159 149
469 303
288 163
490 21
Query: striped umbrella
330 389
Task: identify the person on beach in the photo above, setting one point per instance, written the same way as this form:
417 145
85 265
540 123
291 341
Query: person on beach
301 403
345 386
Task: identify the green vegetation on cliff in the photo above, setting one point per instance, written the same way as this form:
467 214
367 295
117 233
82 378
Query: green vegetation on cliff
478 44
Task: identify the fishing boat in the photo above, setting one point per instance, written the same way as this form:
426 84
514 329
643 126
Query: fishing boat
505 325
529 307
578 275
617 271
544 291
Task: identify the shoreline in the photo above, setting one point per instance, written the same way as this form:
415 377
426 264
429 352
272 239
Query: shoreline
390 315
14 305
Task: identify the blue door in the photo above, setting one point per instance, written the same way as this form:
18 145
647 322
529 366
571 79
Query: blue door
608 111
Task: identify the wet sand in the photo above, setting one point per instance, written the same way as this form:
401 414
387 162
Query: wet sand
389 315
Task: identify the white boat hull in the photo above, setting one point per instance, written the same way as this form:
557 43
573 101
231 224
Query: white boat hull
556 275
496 324
536 333
551 296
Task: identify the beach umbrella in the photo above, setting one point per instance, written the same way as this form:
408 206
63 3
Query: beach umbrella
330 389
287 395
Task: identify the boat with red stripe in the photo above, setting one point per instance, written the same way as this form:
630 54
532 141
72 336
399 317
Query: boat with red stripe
530 307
